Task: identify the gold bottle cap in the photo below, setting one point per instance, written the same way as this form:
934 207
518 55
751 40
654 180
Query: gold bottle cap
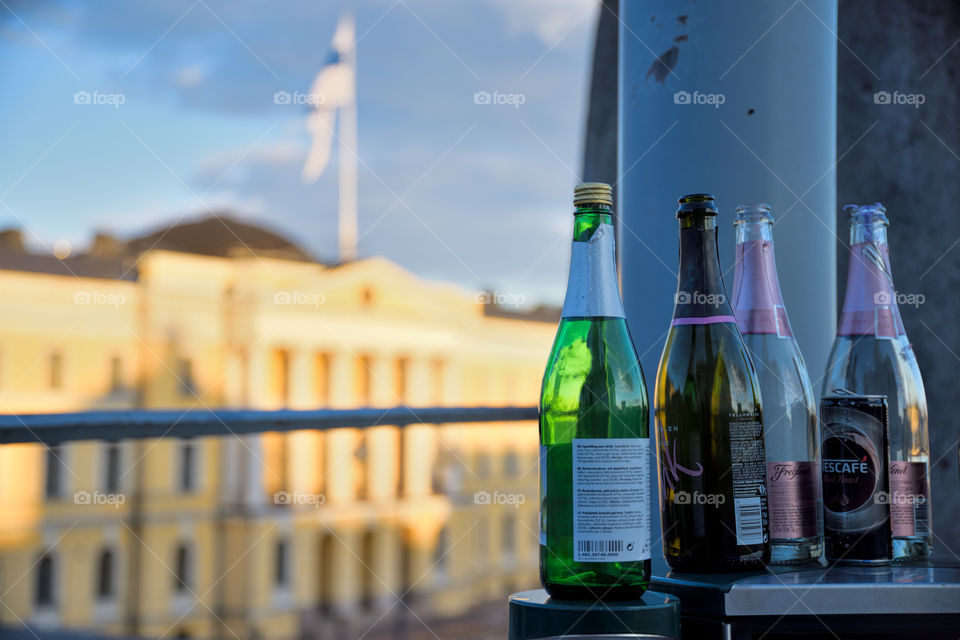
593 193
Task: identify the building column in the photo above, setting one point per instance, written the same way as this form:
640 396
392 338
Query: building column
420 379
300 380
305 447
251 450
383 388
342 380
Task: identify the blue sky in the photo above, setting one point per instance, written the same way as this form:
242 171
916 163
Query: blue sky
485 188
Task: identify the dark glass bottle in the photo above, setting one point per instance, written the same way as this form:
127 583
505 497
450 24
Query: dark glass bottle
708 417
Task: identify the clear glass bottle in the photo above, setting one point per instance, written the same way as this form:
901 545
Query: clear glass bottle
790 433
595 445
872 355
709 417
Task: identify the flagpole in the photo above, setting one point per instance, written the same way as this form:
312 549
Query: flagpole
348 187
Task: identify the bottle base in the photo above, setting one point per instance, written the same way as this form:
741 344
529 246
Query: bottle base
910 549
860 562
594 593
795 550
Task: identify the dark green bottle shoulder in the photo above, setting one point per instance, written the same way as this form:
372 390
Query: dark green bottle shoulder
704 352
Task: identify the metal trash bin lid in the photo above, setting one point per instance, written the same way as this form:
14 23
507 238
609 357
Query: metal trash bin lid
534 615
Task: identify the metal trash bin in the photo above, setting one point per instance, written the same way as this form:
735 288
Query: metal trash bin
534 614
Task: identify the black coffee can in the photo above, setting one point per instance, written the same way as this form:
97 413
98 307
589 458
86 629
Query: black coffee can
854 453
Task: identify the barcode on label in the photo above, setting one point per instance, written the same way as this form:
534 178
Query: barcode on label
749 521
921 519
599 547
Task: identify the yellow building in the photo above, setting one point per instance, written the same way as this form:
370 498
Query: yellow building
306 534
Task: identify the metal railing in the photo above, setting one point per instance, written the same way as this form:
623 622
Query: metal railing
54 428
59 428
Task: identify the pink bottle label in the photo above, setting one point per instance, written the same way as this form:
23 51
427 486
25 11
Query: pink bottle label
870 303
757 302
908 499
794 491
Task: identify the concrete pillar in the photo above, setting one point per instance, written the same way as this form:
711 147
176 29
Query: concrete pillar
737 99
908 160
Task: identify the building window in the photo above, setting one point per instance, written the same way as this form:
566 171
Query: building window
364 386
508 535
188 386
437 373
280 377
56 370
275 461
183 569
116 374
407 564
402 381
112 468
105 576
440 553
321 377
402 462
44 593
367 555
483 541
484 465
361 458
327 578
281 560
54 477
511 464
187 475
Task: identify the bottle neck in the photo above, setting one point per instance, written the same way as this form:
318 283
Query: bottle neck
870 302
757 301
592 287
874 231
701 297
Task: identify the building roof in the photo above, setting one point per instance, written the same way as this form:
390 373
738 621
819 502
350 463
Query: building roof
115 259
118 267
219 235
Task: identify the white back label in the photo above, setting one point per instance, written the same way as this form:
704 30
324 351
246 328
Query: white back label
611 499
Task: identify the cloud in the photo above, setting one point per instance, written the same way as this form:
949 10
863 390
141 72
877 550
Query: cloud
488 185
191 75
549 20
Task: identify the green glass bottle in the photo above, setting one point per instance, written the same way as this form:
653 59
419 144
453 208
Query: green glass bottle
595 446
709 417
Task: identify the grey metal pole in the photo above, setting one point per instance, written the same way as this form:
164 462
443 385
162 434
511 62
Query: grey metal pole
737 99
